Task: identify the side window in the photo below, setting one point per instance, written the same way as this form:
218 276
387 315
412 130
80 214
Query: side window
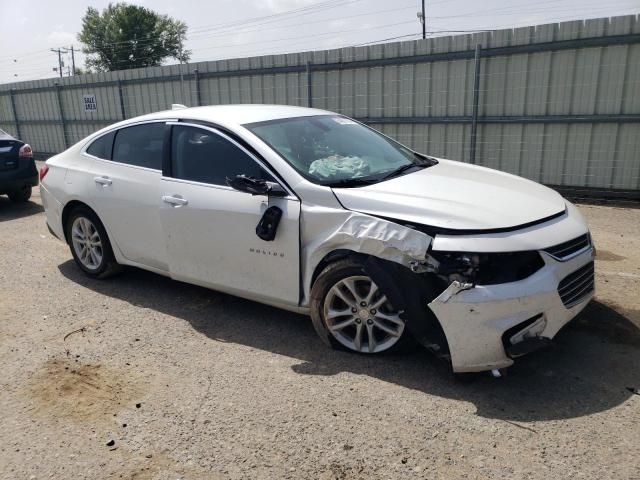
101 147
206 157
140 145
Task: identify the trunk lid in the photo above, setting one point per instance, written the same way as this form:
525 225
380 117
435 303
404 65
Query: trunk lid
9 150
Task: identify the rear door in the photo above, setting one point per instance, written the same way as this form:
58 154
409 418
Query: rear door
125 188
210 228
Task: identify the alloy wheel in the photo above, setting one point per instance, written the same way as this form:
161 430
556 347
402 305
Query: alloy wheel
360 316
87 243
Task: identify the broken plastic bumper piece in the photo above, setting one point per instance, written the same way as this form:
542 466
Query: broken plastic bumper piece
512 319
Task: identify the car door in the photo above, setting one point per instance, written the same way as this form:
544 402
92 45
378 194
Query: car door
210 228
125 187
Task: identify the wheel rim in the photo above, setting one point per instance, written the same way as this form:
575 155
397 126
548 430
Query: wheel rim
86 243
360 316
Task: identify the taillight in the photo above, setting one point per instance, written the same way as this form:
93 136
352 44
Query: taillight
43 171
25 151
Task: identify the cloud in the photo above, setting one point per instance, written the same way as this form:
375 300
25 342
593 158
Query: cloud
59 37
278 6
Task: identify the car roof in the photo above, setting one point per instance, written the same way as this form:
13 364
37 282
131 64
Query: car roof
235 114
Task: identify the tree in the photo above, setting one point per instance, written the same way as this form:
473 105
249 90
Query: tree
128 36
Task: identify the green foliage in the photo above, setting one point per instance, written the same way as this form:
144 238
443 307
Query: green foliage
128 36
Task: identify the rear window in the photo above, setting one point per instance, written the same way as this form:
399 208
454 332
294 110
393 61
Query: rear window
140 145
101 147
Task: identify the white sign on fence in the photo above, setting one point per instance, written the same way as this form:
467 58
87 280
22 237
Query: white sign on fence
90 104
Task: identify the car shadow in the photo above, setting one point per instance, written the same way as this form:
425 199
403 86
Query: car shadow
587 372
13 211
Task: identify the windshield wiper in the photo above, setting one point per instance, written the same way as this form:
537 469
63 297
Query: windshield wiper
351 182
401 169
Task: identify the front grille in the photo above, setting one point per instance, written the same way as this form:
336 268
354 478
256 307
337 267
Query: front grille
577 285
567 249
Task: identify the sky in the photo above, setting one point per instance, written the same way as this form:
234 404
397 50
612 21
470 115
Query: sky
218 29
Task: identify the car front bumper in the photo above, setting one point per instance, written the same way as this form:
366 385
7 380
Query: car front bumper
478 319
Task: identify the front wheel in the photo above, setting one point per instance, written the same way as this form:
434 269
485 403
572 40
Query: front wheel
90 244
349 311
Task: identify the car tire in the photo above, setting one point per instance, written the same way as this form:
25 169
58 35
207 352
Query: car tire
22 195
83 225
322 296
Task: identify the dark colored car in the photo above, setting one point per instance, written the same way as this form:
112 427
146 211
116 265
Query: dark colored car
18 172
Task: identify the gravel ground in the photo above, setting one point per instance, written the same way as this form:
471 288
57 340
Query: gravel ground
143 377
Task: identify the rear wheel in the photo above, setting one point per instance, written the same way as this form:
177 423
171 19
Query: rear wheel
90 244
22 195
349 311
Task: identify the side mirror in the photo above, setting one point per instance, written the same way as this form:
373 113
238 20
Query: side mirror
276 190
256 186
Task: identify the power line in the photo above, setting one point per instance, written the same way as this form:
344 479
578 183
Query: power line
244 31
225 25
298 37
270 21
348 17
220 27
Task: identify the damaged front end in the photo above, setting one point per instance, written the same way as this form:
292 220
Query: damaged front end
483 268
479 310
504 305
452 273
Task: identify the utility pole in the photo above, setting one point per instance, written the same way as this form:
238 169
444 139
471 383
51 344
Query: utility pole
423 21
73 62
59 52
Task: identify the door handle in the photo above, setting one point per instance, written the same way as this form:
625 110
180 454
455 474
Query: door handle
104 181
175 201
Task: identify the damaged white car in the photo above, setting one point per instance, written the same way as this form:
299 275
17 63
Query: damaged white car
317 213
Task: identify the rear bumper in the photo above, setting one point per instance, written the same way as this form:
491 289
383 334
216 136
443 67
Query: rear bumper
25 175
53 213
479 322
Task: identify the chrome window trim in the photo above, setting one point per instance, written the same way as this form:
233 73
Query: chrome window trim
217 187
262 165
146 169
83 151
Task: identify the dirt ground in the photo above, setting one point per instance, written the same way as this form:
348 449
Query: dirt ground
142 377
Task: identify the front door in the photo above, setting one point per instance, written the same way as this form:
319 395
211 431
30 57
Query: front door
210 228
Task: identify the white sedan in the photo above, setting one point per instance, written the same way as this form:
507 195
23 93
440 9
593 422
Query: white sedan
314 212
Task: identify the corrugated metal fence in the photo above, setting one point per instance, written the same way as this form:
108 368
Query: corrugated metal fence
557 103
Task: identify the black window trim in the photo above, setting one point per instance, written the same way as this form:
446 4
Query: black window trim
167 173
115 130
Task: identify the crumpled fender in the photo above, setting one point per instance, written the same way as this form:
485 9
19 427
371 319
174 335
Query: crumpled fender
357 232
409 293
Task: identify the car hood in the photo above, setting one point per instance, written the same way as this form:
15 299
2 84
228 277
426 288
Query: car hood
457 196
